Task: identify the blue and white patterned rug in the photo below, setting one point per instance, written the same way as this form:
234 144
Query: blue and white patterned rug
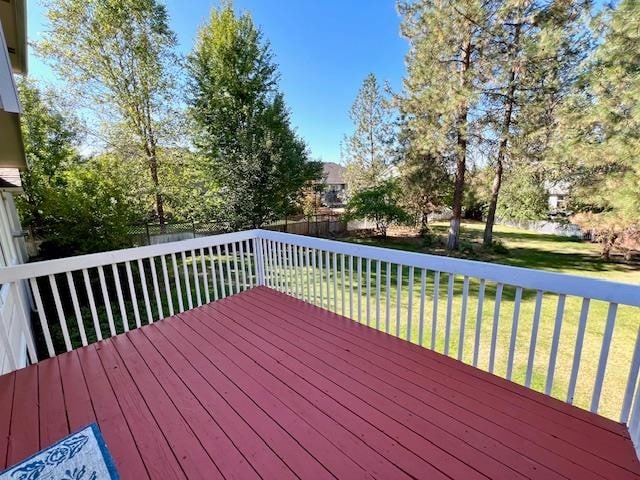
80 456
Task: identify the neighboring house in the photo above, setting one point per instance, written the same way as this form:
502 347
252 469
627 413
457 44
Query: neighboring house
14 305
334 195
558 195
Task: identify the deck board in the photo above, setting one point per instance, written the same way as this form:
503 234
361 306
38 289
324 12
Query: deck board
262 385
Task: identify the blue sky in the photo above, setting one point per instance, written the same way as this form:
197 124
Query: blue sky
324 49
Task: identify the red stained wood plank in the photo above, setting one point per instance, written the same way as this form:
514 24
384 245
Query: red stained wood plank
246 440
348 415
53 416
76 396
24 438
570 415
334 456
112 423
298 459
616 444
489 457
220 448
188 450
157 454
6 405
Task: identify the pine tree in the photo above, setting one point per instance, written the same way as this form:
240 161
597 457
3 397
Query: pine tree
598 139
534 49
368 150
440 98
241 123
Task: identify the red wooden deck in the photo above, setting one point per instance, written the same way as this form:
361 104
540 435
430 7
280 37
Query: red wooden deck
261 385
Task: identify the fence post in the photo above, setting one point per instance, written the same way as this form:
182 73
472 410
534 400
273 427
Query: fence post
257 248
146 226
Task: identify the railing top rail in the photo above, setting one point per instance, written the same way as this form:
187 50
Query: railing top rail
70 264
552 282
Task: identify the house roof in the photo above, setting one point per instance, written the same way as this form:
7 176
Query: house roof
333 173
10 179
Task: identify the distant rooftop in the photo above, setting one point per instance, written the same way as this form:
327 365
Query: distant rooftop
333 173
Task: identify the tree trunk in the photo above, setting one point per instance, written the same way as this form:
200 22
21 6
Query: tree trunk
152 158
504 140
458 188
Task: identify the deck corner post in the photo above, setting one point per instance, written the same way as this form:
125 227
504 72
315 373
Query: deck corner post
257 248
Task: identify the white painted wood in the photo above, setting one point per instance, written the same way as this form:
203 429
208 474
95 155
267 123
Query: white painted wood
196 278
242 268
328 265
235 267
145 291
307 267
321 281
187 282
60 311
156 288
260 261
343 273
436 299
463 316
423 289
351 287
205 280
107 301
398 297
604 356
368 292
632 380
251 264
44 324
534 339
335 282
387 292
167 288
294 258
132 293
178 283
123 310
577 352
92 304
76 308
378 273
557 328
514 332
622 293
479 316
301 271
228 265
223 290
494 327
447 325
410 304
360 289
314 271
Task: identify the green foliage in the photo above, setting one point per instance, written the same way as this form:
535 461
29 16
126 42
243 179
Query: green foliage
523 196
380 203
117 56
241 123
73 204
368 151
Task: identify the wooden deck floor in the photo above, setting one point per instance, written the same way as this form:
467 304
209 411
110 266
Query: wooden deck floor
261 385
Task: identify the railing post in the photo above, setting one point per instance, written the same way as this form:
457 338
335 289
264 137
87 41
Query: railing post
18 289
260 267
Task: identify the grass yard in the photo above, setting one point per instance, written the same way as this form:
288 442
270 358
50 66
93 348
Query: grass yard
525 249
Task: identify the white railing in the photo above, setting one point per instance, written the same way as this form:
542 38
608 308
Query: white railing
548 331
552 332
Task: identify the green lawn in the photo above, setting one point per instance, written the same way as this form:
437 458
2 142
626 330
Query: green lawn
525 249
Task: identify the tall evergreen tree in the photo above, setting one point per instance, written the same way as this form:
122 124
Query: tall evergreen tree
241 122
598 139
440 98
533 50
118 56
368 151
